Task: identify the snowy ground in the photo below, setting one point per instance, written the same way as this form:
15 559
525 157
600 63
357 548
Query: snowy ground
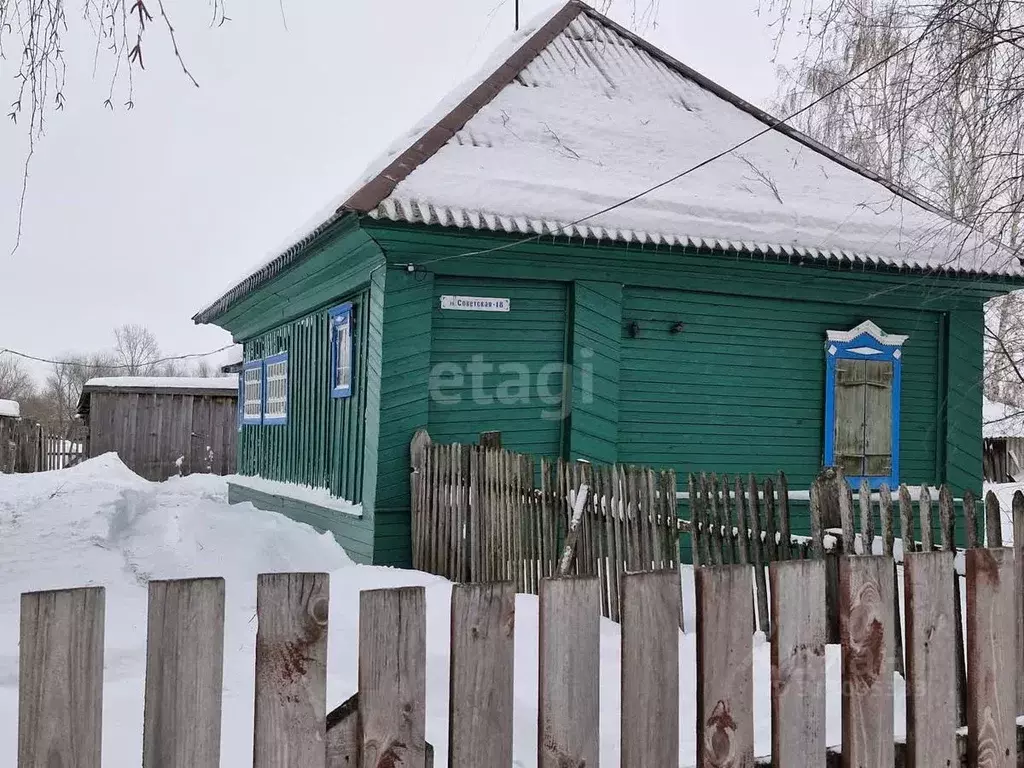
100 524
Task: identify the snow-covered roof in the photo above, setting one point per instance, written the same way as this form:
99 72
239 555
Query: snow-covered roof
1002 420
226 383
10 409
576 114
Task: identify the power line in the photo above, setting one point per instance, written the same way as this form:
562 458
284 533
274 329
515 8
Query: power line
703 163
103 366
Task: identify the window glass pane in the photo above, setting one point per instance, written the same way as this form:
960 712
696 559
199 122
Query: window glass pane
343 355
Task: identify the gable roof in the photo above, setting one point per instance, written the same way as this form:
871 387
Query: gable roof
576 114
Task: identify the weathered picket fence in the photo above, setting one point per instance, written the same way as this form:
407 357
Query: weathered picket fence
383 725
478 515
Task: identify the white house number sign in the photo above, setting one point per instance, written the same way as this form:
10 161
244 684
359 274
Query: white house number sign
476 303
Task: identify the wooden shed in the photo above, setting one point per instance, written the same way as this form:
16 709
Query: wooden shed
163 426
566 252
1004 442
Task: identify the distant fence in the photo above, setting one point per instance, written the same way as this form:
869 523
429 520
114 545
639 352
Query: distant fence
383 725
26 447
478 515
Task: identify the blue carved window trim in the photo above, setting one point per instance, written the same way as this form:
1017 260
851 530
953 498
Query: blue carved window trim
341 318
865 342
248 417
280 414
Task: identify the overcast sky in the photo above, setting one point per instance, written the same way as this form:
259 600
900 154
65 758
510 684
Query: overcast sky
145 216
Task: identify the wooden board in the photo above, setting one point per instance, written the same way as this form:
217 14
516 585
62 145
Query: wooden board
799 635
392 677
568 719
931 643
991 650
725 714
650 669
344 734
291 670
60 684
1018 582
482 661
184 674
866 633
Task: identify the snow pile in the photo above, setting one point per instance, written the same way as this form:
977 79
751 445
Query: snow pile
227 383
319 496
99 524
10 409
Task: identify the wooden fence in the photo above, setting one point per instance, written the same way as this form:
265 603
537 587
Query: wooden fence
25 446
383 724
478 515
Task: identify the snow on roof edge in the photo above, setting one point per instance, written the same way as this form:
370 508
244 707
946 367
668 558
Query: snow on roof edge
1002 421
479 220
10 409
226 383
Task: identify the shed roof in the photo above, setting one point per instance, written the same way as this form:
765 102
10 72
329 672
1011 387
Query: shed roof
10 409
576 114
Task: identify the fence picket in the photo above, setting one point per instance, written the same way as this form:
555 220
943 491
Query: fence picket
785 540
291 669
1018 581
866 595
757 555
931 681
867 525
742 524
711 513
480 699
846 520
771 527
184 674
725 710
799 634
888 541
392 677
925 511
650 669
971 517
817 511
907 520
991 640
993 523
570 659
60 678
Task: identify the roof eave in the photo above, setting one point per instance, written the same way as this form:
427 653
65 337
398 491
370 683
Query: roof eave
273 268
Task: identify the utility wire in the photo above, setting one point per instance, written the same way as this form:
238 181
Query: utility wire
708 161
105 367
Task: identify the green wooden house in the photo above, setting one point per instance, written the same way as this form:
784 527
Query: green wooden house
519 263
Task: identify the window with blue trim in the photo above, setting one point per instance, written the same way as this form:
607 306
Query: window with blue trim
342 360
862 404
275 388
252 392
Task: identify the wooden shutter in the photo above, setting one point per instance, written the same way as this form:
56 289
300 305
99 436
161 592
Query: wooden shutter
863 428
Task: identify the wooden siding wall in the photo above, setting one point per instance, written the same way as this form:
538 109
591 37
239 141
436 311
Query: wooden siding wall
748 374
150 432
322 444
531 338
596 344
405 355
741 387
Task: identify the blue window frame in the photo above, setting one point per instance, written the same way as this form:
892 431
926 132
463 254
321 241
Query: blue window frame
251 392
342 353
275 389
862 404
